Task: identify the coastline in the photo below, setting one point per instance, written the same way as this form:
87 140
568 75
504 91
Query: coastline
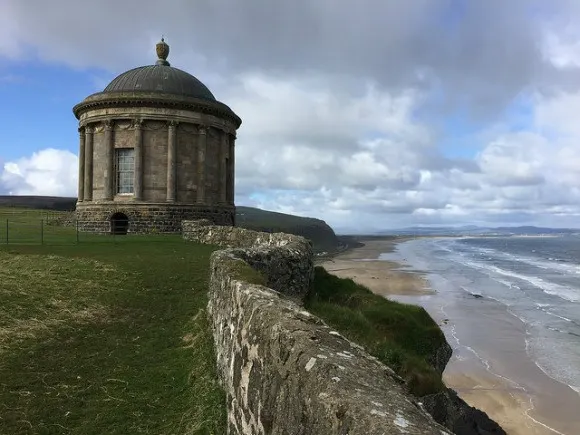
542 406
383 277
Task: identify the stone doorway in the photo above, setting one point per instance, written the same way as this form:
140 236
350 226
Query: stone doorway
119 224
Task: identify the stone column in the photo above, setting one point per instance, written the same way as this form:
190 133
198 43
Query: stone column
109 176
232 153
138 180
81 189
171 162
201 150
223 179
88 190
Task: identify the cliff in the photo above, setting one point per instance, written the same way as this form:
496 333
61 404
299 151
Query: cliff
284 370
319 232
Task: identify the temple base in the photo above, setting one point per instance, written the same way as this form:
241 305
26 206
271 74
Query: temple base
143 218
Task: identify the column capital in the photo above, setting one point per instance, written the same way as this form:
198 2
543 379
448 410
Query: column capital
172 124
89 129
108 124
81 130
202 129
138 123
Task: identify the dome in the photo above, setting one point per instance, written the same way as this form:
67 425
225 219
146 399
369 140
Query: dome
161 77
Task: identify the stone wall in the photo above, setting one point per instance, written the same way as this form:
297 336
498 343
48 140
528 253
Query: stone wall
149 218
288 269
284 371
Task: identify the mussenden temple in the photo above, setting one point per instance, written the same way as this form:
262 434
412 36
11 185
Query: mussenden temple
156 148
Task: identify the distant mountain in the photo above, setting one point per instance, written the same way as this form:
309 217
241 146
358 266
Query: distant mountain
472 230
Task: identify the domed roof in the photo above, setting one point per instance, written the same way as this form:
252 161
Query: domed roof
161 77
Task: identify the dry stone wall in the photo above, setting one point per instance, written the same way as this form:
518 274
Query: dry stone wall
284 371
285 260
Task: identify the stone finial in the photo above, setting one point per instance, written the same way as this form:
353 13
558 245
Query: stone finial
162 50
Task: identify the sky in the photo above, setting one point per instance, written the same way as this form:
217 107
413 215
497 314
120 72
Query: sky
371 115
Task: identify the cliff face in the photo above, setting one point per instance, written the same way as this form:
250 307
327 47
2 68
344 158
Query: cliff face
285 371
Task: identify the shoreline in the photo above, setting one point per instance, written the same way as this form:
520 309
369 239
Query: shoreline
486 382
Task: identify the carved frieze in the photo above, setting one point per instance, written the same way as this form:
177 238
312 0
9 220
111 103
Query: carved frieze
123 124
154 125
137 123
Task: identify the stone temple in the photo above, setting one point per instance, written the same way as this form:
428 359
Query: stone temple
156 148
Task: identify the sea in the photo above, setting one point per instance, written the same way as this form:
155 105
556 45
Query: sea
537 279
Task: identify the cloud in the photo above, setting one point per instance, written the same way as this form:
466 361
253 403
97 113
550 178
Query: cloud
479 55
347 108
48 172
398 176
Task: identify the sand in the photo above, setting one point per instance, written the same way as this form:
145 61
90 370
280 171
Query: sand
544 407
380 276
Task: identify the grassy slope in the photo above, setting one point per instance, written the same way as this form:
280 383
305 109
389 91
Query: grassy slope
400 335
107 338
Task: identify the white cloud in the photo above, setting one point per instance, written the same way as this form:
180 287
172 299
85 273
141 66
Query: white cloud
343 120
48 172
398 177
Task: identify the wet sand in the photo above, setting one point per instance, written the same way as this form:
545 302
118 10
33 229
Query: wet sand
512 389
380 276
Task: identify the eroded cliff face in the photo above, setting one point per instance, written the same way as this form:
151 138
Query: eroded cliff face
283 370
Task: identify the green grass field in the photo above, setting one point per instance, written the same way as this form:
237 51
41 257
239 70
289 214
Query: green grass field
400 335
106 338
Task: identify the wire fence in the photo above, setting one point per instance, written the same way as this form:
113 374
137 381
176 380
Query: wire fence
56 230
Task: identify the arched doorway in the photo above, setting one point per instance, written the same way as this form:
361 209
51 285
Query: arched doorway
119 224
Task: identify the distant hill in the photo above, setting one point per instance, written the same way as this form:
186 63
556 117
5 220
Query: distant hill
471 230
322 236
59 203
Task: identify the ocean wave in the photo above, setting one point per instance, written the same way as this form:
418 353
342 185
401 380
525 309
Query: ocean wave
548 263
551 288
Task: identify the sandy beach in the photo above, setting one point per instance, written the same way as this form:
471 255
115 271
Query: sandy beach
542 407
381 276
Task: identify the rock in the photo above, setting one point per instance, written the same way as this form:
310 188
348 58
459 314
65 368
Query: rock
449 410
441 357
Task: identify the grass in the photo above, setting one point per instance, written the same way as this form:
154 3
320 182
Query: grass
107 338
400 335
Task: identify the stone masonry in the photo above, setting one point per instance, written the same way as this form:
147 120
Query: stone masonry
283 370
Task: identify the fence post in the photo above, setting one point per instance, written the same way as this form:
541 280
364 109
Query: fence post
42 231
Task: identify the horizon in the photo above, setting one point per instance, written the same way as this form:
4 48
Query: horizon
376 117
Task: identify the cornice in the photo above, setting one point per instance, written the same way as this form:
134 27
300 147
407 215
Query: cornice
109 100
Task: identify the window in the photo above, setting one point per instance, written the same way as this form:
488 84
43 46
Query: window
125 159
